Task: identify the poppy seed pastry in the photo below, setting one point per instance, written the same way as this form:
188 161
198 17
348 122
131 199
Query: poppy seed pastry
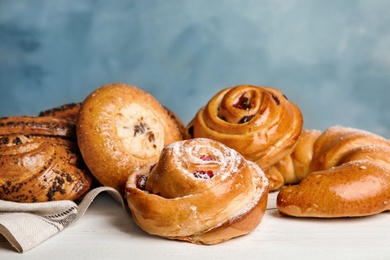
40 160
67 111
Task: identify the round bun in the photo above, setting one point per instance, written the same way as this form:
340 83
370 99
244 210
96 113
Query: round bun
40 160
258 122
121 127
200 191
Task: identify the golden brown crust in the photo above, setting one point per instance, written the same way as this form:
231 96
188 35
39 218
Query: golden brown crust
259 122
67 111
349 176
121 127
39 168
178 122
30 125
199 191
293 168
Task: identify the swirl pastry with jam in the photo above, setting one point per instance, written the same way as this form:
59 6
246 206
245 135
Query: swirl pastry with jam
199 191
258 122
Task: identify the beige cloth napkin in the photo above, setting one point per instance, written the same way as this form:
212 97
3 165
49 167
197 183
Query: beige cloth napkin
26 225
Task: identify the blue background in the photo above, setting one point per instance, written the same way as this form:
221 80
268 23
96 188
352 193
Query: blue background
331 58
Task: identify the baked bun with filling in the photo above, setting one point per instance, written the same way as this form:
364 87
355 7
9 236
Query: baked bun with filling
121 127
258 122
199 191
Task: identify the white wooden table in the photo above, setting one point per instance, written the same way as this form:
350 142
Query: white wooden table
106 231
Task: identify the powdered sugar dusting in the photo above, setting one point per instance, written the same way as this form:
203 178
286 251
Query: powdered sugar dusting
258 177
225 160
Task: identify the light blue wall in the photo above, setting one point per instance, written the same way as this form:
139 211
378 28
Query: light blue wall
331 57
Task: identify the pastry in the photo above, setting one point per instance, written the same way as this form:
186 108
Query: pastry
199 191
294 167
177 121
68 111
38 126
121 127
40 160
258 122
348 176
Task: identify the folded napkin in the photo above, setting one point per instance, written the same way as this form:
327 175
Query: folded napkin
26 225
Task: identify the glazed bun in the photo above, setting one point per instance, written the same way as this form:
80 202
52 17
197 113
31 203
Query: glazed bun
347 175
258 122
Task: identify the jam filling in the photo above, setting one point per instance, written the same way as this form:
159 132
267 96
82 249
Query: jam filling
140 181
204 174
206 157
243 103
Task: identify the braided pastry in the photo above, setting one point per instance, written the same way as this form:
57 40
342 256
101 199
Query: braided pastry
258 122
348 174
294 167
199 191
121 127
40 160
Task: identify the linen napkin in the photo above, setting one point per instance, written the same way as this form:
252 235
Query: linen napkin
26 225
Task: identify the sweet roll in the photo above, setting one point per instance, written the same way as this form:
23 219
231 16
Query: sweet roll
348 176
121 127
258 122
199 191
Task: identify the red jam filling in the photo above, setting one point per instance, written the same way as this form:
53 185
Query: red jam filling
140 181
243 103
206 157
204 174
